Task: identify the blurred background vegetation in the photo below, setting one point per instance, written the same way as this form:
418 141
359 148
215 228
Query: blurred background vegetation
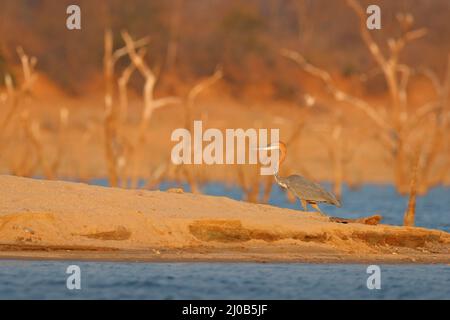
189 38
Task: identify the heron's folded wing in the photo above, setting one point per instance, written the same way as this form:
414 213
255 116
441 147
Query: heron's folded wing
308 190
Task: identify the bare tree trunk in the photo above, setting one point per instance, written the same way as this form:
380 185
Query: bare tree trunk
338 161
150 103
110 119
172 48
410 213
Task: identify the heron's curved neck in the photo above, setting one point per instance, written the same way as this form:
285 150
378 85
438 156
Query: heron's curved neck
277 177
282 157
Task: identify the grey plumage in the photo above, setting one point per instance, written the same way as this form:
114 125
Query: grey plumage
306 190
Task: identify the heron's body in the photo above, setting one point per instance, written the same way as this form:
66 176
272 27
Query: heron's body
307 191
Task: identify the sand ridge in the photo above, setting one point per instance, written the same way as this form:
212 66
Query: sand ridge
54 219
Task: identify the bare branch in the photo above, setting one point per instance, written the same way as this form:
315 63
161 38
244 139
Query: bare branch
203 85
366 35
124 50
196 90
122 85
136 59
338 94
159 103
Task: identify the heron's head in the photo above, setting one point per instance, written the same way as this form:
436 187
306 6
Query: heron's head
279 157
274 146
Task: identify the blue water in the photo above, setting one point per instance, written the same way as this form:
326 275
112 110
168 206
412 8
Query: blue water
102 280
105 280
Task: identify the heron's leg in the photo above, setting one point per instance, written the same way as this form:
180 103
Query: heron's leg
315 206
304 204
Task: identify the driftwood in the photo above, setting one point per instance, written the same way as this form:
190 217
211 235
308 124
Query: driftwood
372 220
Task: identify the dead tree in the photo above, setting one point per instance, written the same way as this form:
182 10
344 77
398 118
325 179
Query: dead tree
26 164
189 105
14 95
394 128
410 213
341 151
175 23
150 103
113 149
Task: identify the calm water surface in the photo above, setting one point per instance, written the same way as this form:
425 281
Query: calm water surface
47 279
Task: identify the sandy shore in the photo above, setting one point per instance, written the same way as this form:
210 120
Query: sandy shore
61 220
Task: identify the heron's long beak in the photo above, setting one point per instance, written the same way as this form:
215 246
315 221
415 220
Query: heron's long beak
270 147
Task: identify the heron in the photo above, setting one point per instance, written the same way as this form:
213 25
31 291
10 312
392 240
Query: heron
307 191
